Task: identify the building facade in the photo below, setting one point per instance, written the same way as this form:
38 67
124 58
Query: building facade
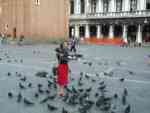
128 20
38 19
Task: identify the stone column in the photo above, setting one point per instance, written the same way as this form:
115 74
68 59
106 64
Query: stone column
77 31
99 35
124 35
139 35
111 31
87 6
87 31
72 32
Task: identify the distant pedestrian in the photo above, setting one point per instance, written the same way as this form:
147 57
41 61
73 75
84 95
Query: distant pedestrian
62 69
73 45
3 39
20 42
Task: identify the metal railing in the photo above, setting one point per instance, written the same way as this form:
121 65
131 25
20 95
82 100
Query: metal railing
123 14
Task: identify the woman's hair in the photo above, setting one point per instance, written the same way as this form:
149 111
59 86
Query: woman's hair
62 45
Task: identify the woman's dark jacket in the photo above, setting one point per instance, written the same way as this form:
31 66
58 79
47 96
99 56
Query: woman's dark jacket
62 55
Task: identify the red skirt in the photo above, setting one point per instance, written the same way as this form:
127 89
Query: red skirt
62 74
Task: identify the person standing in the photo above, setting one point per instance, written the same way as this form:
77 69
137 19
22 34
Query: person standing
62 69
73 45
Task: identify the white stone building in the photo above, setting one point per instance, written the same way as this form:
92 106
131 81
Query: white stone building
127 19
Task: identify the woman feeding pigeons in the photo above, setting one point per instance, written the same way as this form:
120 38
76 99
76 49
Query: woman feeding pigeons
62 69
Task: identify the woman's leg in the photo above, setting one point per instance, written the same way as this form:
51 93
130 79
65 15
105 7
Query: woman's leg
61 91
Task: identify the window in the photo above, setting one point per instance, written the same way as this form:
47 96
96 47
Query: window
133 5
93 6
82 7
148 4
37 2
72 7
105 5
118 5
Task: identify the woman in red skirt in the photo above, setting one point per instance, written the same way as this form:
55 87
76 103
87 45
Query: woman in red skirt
62 69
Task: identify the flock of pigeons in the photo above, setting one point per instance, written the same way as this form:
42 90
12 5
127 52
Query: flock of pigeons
81 98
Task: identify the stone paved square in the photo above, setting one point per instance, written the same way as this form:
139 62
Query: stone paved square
118 67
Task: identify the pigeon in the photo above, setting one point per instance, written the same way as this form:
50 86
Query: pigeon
127 109
74 90
30 85
122 80
118 63
19 98
81 73
86 76
51 108
47 91
21 61
42 74
73 100
0 59
10 94
89 89
21 86
102 100
55 86
115 95
9 74
93 80
101 83
18 74
90 63
40 91
131 72
89 104
40 85
85 62
97 74
80 83
66 97
23 79
52 97
64 110
45 100
81 90
108 73
124 100
8 61
36 95
68 89
96 94
28 102
102 87
49 83
72 79
54 70
125 92
106 107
